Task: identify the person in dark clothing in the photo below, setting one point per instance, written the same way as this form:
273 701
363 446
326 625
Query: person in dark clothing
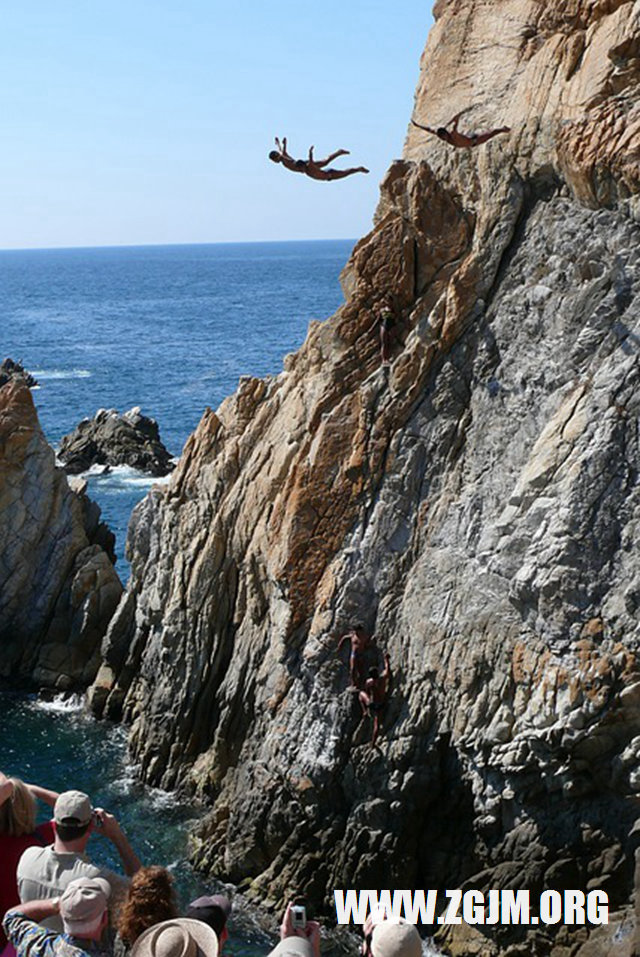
213 911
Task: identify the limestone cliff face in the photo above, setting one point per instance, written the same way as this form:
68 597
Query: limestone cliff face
58 586
479 512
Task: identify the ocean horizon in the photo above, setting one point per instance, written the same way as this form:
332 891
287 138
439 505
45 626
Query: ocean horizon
170 328
178 245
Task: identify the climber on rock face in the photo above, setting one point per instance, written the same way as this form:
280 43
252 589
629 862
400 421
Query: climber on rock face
312 167
388 335
359 640
374 696
454 138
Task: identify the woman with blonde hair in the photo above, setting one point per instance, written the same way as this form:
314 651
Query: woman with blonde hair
18 831
151 900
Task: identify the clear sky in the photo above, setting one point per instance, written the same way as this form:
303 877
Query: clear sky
150 122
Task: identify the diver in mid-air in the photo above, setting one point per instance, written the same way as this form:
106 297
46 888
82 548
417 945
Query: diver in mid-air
460 140
311 167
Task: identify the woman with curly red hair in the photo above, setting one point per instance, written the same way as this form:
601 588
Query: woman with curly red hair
151 900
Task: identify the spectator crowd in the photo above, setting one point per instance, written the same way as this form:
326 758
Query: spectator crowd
57 903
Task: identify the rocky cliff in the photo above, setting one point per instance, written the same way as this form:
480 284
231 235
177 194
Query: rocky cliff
478 510
58 586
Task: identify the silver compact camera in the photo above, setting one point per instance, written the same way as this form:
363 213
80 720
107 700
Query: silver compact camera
298 916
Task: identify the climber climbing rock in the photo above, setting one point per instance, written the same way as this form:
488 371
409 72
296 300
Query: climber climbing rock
359 640
374 697
388 336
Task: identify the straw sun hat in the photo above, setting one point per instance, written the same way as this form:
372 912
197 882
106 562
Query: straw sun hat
181 937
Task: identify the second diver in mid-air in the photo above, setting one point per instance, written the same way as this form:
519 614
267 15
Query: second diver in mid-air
311 167
460 140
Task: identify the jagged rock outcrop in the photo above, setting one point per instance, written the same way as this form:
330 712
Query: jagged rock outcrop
97 531
10 370
479 510
113 439
58 586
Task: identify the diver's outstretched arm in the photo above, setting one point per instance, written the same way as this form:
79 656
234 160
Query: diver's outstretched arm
282 147
426 128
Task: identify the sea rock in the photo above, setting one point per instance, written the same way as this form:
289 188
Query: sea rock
10 370
58 586
479 509
113 439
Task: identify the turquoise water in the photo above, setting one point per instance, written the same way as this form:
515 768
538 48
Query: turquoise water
170 329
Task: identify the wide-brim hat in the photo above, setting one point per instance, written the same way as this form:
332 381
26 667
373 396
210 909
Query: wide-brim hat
180 937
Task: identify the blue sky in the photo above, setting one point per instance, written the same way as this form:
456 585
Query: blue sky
138 122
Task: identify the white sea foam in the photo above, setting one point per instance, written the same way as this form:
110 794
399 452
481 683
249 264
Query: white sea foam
429 951
61 704
61 373
164 479
120 476
160 798
125 782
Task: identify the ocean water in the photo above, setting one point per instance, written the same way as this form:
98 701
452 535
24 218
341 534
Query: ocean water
170 329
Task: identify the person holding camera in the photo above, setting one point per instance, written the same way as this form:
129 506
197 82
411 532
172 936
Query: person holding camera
44 872
299 937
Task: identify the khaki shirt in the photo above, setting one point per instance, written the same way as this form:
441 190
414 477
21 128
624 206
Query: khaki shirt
44 873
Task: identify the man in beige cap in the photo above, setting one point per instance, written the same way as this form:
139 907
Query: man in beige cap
44 872
388 938
82 909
